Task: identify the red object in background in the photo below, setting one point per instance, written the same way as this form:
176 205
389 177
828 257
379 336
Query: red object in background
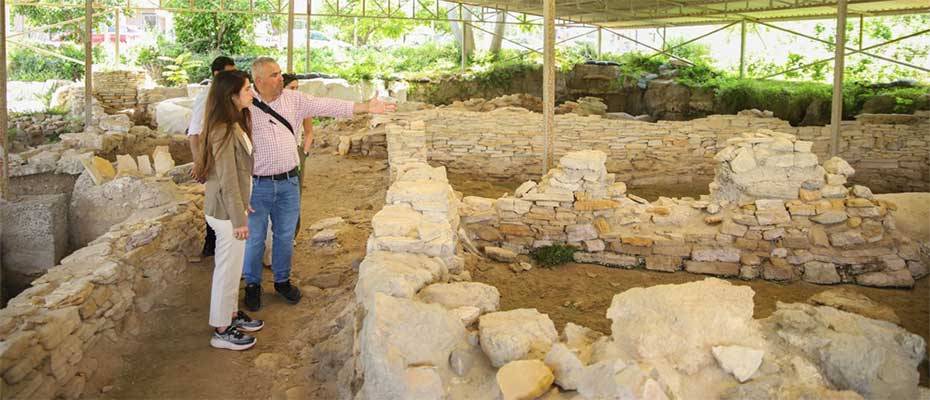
128 34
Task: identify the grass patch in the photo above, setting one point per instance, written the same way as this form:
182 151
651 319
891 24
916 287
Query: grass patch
551 256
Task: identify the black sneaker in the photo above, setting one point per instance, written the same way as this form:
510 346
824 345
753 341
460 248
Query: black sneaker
232 339
289 292
243 322
253 296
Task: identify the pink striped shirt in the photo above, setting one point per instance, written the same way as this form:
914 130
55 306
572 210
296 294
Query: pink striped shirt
275 151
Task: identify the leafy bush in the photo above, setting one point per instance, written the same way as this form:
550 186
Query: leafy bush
788 100
30 65
176 71
551 256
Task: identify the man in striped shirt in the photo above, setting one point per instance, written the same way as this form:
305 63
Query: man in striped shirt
275 185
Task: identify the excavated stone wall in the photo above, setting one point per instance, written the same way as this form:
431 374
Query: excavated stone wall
891 153
423 331
52 334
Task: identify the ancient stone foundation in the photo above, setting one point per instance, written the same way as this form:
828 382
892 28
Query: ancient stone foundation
890 152
424 332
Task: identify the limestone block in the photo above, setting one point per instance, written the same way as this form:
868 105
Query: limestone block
591 160
468 315
524 379
163 160
126 165
423 383
516 334
608 259
115 123
524 188
837 341
740 361
500 254
691 329
663 263
581 232
514 205
461 294
145 165
395 274
836 180
846 238
726 254
731 228
392 339
35 236
820 272
830 217
839 166
712 268
743 161
614 379
100 170
851 301
565 365
862 191
901 278
773 217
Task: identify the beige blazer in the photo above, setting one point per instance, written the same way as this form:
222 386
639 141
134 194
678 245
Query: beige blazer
229 182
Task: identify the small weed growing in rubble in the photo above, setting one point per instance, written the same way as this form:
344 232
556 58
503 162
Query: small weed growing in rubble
551 256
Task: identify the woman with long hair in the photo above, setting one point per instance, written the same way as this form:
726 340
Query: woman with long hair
226 156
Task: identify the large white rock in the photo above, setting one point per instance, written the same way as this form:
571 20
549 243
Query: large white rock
591 160
566 366
740 361
614 379
462 294
163 160
680 324
173 115
515 335
875 358
395 274
399 334
115 123
838 166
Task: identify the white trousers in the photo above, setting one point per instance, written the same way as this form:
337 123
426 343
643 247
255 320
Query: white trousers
227 270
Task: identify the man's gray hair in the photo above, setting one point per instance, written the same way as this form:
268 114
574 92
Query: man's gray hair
261 61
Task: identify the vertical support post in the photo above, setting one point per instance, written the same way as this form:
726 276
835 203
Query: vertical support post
309 9
742 48
88 63
4 143
839 61
290 36
548 83
861 24
663 37
599 46
116 13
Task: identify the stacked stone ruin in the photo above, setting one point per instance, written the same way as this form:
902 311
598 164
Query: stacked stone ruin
890 152
53 334
426 332
774 213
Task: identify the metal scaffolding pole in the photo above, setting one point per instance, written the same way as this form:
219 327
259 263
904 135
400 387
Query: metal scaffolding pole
548 83
836 113
116 45
4 142
88 63
742 48
599 32
290 36
309 11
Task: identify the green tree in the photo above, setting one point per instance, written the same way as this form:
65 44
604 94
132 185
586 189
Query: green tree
368 30
37 15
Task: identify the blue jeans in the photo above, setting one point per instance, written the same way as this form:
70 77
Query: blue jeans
281 201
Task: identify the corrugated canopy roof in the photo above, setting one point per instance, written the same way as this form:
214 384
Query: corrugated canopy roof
654 13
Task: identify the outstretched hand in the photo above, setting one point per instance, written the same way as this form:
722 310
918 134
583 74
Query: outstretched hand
378 106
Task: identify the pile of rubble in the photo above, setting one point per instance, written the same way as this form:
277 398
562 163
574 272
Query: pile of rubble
583 106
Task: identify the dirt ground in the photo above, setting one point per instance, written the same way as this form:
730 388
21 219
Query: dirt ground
178 363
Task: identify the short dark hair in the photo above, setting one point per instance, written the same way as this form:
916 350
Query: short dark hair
219 64
288 78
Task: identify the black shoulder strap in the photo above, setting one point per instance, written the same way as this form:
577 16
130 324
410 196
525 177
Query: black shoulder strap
268 110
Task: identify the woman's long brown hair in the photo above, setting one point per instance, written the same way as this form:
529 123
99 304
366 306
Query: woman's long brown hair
220 112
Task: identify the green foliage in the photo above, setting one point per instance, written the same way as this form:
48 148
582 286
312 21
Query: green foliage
368 30
788 100
695 52
71 9
29 65
551 256
213 32
175 72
